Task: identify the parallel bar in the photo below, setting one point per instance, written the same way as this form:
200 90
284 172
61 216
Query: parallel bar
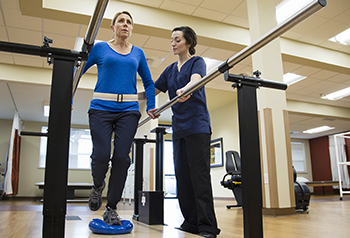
255 81
41 51
255 46
28 133
276 32
90 36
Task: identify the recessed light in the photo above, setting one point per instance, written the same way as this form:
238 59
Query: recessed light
290 78
342 38
211 63
318 129
337 95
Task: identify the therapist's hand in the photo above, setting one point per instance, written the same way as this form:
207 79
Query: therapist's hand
182 98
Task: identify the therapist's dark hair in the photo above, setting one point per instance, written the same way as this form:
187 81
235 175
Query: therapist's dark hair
190 37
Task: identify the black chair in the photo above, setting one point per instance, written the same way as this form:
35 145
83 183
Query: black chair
233 168
302 193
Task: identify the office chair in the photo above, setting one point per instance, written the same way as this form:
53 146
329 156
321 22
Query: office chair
233 168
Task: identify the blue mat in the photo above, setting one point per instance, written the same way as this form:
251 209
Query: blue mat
100 227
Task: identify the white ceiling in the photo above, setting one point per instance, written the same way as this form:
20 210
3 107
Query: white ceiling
29 98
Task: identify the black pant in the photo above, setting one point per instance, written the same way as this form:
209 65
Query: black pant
194 191
102 125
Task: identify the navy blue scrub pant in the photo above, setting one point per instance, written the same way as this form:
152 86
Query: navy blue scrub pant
194 191
102 126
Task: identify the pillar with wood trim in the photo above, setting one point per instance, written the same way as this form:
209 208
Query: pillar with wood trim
276 162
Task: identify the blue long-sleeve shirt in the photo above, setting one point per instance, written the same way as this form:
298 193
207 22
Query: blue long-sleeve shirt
117 74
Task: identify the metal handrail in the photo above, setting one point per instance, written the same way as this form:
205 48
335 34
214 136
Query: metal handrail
247 51
90 36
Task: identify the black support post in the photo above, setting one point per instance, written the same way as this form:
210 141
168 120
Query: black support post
250 149
138 173
56 169
160 131
250 154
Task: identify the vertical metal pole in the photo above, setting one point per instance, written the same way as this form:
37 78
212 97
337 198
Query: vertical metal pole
138 173
159 157
56 169
250 154
94 25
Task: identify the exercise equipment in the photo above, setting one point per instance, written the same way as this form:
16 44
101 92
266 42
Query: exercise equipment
100 227
138 148
233 168
62 91
302 193
158 195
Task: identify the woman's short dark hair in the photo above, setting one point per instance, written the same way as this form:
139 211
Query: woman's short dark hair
190 37
119 13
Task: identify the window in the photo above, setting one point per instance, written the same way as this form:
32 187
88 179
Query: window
298 156
80 148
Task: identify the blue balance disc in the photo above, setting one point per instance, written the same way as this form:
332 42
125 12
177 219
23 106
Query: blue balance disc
100 227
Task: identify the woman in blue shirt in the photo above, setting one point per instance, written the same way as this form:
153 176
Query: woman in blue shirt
191 135
115 109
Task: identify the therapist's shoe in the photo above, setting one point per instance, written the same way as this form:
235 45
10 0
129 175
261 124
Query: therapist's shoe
95 199
207 234
111 217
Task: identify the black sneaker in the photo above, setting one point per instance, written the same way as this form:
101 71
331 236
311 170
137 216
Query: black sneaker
207 234
95 199
111 217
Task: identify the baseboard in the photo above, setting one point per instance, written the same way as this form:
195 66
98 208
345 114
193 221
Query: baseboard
225 198
20 198
278 211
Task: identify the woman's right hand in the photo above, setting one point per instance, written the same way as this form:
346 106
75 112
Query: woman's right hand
151 111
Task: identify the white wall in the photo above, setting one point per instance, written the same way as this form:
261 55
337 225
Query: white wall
224 122
5 133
